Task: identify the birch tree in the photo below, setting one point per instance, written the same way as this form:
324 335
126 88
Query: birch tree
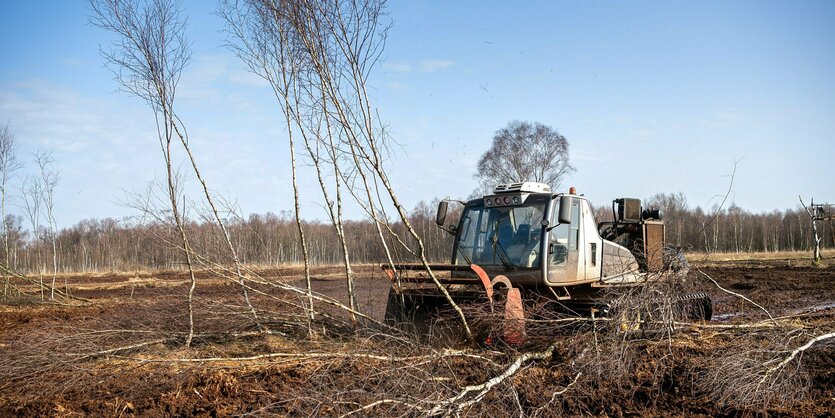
263 44
49 180
147 58
338 43
8 166
30 190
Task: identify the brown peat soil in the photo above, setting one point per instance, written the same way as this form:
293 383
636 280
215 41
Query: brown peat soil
54 359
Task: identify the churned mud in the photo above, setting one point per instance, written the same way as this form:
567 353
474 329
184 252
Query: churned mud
123 306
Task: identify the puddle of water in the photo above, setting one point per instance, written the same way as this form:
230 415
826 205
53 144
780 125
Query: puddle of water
807 309
725 317
814 308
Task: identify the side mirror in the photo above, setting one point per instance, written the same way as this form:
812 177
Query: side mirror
564 217
440 217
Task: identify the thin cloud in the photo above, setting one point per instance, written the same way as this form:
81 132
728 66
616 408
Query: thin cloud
394 85
100 145
430 66
721 119
425 66
54 116
72 62
729 115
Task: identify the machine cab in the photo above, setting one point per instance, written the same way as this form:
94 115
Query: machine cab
533 236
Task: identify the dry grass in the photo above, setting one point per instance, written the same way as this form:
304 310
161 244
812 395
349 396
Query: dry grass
782 258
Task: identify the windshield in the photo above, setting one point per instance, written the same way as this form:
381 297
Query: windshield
501 236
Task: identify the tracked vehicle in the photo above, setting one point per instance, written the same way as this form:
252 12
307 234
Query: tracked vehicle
524 240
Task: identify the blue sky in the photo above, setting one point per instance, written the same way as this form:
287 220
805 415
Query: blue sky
653 97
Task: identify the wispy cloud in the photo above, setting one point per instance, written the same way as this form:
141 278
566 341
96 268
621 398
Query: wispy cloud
430 66
722 118
394 85
199 82
728 115
212 78
72 62
60 118
100 145
425 66
646 134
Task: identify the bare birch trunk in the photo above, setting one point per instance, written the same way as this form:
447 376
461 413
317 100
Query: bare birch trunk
232 251
340 231
336 220
172 193
816 250
148 59
302 238
315 30
338 223
372 211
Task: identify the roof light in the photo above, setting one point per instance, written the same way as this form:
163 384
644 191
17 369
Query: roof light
526 187
572 190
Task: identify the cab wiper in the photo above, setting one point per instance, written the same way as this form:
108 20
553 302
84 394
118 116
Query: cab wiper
501 253
468 259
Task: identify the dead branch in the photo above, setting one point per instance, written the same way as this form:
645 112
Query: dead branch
558 393
120 349
795 353
455 403
375 404
6 270
716 213
292 289
184 140
738 295
303 356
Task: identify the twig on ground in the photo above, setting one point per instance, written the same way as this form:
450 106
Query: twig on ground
443 354
738 295
375 404
559 393
481 390
795 353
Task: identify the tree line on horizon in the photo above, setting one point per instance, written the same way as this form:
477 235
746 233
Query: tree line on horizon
271 239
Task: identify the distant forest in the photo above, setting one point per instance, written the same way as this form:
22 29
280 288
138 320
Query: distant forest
272 239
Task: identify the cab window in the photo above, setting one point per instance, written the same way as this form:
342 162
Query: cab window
564 237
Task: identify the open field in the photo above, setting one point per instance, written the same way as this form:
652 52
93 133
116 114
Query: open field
120 354
762 259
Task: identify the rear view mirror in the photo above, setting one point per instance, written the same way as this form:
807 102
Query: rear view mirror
440 218
564 216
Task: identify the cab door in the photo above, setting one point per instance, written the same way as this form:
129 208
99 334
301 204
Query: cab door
591 243
563 249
